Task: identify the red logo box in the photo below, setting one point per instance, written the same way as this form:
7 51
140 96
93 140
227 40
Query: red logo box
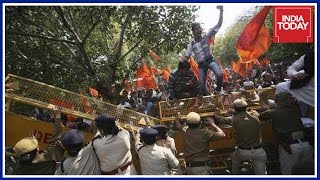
293 24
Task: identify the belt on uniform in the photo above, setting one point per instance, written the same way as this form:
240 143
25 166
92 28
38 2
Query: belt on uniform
248 148
296 141
113 172
196 164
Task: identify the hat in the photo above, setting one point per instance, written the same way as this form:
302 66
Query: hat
248 84
105 119
240 103
26 145
162 129
193 118
148 132
281 97
72 137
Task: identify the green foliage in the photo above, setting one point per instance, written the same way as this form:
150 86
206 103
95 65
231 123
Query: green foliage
78 46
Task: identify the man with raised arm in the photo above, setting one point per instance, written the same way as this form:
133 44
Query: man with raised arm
201 48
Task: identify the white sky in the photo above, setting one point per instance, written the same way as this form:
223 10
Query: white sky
209 14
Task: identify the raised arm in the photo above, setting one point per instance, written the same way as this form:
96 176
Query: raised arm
219 131
215 29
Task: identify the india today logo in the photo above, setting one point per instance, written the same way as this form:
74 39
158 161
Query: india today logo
293 24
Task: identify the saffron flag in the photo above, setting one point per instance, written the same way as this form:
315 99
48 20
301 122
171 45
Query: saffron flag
93 92
255 38
165 74
144 78
251 64
168 68
239 68
194 67
154 56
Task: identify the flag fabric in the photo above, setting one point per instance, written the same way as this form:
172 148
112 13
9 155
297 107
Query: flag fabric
154 70
242 68
168 68
144 78
154 56
165 74
194 67
226 75
93 92
255 38
252 64
239 68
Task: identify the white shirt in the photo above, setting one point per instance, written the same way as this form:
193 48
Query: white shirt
156 160
113 151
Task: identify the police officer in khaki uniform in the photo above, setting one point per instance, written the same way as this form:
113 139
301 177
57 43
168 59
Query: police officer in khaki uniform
30 161
196 143
294 149
248 137
154 159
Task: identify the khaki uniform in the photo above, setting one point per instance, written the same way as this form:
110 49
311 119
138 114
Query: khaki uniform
45 162
248 140
196 149
293 145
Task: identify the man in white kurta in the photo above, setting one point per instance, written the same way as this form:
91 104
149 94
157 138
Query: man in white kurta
305 93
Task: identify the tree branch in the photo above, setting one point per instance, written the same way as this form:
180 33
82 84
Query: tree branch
41 37
67 24
121 37
90 31
131 49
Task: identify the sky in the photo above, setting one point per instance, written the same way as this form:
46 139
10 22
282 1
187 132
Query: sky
209 14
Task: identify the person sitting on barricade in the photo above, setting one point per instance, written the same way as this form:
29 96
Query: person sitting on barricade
183 83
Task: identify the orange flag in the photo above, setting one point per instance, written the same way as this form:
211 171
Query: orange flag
194 67
154 56
226 75
93 92
255 38
145 78
239 68
251 64
168 68
154 70
165 74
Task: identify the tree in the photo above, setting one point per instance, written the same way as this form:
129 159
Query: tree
81 46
